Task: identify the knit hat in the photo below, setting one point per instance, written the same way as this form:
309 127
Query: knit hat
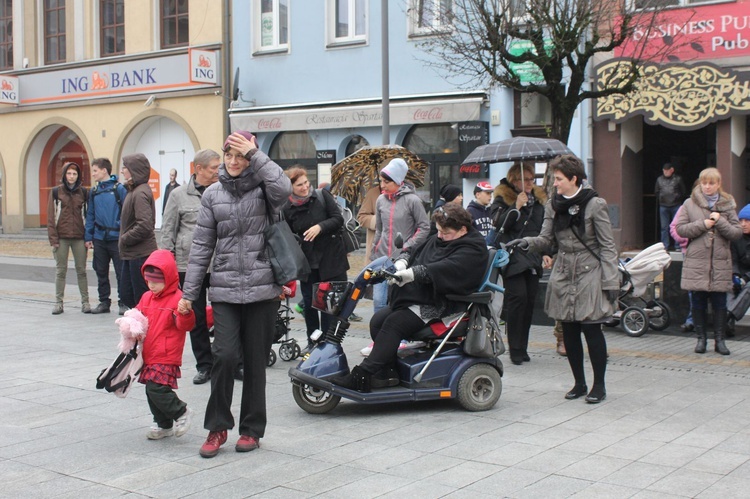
395 170
449 192
153 274
744 213
483 186
249 136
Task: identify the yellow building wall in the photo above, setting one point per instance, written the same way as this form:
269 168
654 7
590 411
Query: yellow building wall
103 130
139 26
205 25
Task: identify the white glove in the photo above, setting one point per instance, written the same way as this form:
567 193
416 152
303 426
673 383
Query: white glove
406 276
400 264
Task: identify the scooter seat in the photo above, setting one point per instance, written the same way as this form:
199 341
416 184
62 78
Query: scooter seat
427 334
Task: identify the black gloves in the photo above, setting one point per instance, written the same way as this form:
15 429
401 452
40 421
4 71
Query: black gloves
517 243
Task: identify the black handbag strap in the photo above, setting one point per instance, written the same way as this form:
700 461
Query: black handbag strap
580 239
269 210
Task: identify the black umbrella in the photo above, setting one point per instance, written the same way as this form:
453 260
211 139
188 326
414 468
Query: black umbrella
517 149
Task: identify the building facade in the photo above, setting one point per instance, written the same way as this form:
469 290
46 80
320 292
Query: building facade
310 87
85 79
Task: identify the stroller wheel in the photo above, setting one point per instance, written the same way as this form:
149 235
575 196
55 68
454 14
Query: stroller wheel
634 321
271 358
297 350
658 317
287 351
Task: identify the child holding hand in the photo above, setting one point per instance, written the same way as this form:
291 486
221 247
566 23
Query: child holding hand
163 345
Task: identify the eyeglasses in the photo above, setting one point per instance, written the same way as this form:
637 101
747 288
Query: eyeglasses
526 179
440 215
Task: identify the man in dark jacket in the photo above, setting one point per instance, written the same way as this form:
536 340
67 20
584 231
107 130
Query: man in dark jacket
172 185
669 192
177 228
479 208
103 230
137 222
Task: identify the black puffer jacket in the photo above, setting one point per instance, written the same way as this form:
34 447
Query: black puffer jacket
326 253
230 228
529 223
741 257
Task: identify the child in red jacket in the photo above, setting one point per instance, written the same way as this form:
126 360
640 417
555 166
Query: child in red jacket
163 346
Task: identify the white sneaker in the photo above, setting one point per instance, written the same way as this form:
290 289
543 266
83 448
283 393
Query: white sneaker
182 424
156 433
366 350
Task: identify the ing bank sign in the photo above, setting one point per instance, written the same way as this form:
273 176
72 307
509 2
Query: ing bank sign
196 69
8 90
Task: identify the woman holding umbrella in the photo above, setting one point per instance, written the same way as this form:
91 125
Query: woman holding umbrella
583 288
517 211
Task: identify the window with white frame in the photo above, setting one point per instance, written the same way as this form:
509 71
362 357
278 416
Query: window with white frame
427 16
272 25
347 21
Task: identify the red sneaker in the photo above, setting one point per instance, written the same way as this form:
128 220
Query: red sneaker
211 446
246 444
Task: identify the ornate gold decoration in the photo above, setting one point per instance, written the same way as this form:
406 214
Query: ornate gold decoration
676 95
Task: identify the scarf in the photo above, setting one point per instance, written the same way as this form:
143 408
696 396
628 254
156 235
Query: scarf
569 211
299 201
712 200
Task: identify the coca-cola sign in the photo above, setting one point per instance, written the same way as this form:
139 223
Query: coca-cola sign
272 124
428 114
473 168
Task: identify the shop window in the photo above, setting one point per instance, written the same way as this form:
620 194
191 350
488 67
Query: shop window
272 25
355 144
111 27
54 31
292 145
432 139
174 23
347 21
6 34
429 16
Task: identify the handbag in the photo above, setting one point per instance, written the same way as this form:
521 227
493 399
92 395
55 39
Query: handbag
288 262
737 305
482 336
119 377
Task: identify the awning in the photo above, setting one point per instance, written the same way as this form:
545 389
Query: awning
411 112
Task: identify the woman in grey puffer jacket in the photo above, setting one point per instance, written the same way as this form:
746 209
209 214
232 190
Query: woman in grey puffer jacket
707 219
244 294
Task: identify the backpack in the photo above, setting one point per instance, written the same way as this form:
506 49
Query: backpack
120 376
348 231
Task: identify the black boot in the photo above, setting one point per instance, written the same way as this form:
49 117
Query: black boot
730 327
720 323
699 321
386 377
358 379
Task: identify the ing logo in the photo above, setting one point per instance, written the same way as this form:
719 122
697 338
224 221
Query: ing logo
204 62
99 81
7 85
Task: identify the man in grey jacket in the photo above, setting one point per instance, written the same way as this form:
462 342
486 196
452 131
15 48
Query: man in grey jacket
178 225
669 192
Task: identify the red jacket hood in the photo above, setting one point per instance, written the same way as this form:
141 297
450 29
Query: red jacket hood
164 261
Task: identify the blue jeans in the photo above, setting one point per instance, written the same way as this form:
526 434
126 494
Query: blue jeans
379 296
699 300
666 215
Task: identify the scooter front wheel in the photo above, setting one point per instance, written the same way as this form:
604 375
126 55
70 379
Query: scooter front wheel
314 400
479 388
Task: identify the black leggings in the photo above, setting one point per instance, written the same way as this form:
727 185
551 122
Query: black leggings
597 350
387 329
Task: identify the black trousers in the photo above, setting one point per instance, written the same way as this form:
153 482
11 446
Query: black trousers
200 340
520 293
104 252
315 319
387 329
164 403
132 284
241 332
597 350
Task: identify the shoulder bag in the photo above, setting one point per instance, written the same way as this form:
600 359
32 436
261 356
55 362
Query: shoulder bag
282 249
482 336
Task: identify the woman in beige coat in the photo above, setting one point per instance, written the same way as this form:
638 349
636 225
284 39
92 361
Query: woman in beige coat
584 284
709 222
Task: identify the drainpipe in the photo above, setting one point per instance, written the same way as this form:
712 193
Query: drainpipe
227 59
384 69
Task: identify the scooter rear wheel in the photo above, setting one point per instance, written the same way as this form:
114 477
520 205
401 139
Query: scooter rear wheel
314 400
479 388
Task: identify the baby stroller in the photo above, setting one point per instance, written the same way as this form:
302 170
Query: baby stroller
636 314
288 347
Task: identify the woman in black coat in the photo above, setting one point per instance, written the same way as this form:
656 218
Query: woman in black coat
452 261
518 211
313 215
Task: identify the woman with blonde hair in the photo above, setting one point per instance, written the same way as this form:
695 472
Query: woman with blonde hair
708 220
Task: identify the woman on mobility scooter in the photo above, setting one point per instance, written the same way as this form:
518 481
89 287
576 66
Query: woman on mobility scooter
449 262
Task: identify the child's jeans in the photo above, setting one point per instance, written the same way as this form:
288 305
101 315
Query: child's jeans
164 403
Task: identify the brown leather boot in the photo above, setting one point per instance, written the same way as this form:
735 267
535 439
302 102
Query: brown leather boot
560 343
